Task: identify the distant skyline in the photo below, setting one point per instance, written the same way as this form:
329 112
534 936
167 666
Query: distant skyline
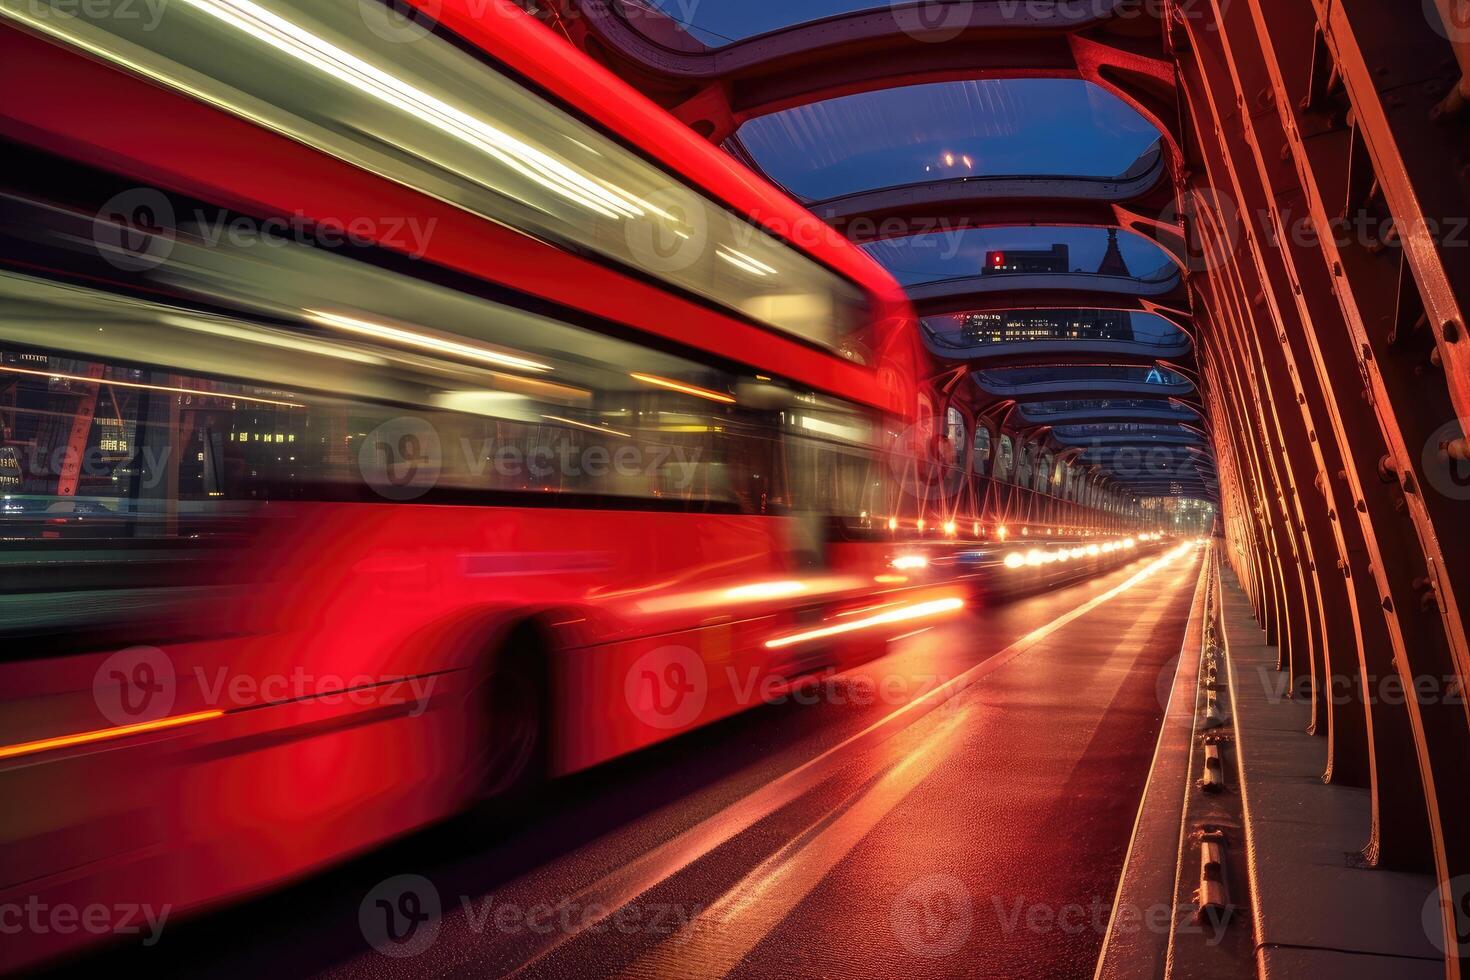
946 255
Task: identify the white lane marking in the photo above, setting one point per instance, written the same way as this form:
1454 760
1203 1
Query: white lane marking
716 940
620 887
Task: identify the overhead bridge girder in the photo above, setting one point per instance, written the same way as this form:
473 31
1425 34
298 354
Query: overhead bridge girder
1142 201
1167 298
1075 390
1119 415
1115 44
1069 351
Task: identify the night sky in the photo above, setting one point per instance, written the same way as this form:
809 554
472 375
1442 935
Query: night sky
894 137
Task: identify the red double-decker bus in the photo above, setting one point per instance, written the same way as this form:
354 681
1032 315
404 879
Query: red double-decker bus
395 412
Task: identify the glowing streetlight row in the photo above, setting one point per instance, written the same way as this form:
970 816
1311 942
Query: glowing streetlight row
951 529
1036 556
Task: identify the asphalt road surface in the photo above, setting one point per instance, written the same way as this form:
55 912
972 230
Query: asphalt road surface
961 807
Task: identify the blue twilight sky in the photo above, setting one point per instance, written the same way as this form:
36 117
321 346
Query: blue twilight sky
945 130
719 22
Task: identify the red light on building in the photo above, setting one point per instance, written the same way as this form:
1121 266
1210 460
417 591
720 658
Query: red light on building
996 260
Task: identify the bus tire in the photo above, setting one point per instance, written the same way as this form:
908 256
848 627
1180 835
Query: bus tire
513 699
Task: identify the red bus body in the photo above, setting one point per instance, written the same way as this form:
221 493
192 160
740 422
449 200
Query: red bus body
333 702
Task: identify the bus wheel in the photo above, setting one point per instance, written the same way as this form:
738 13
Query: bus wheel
513 696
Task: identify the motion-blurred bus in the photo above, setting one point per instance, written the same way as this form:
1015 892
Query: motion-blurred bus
393 412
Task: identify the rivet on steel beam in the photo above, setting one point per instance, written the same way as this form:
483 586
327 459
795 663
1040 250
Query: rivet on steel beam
1214 775
1454 449
1386 471
1214 904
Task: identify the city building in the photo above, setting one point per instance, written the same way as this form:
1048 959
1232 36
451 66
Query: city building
1020 325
